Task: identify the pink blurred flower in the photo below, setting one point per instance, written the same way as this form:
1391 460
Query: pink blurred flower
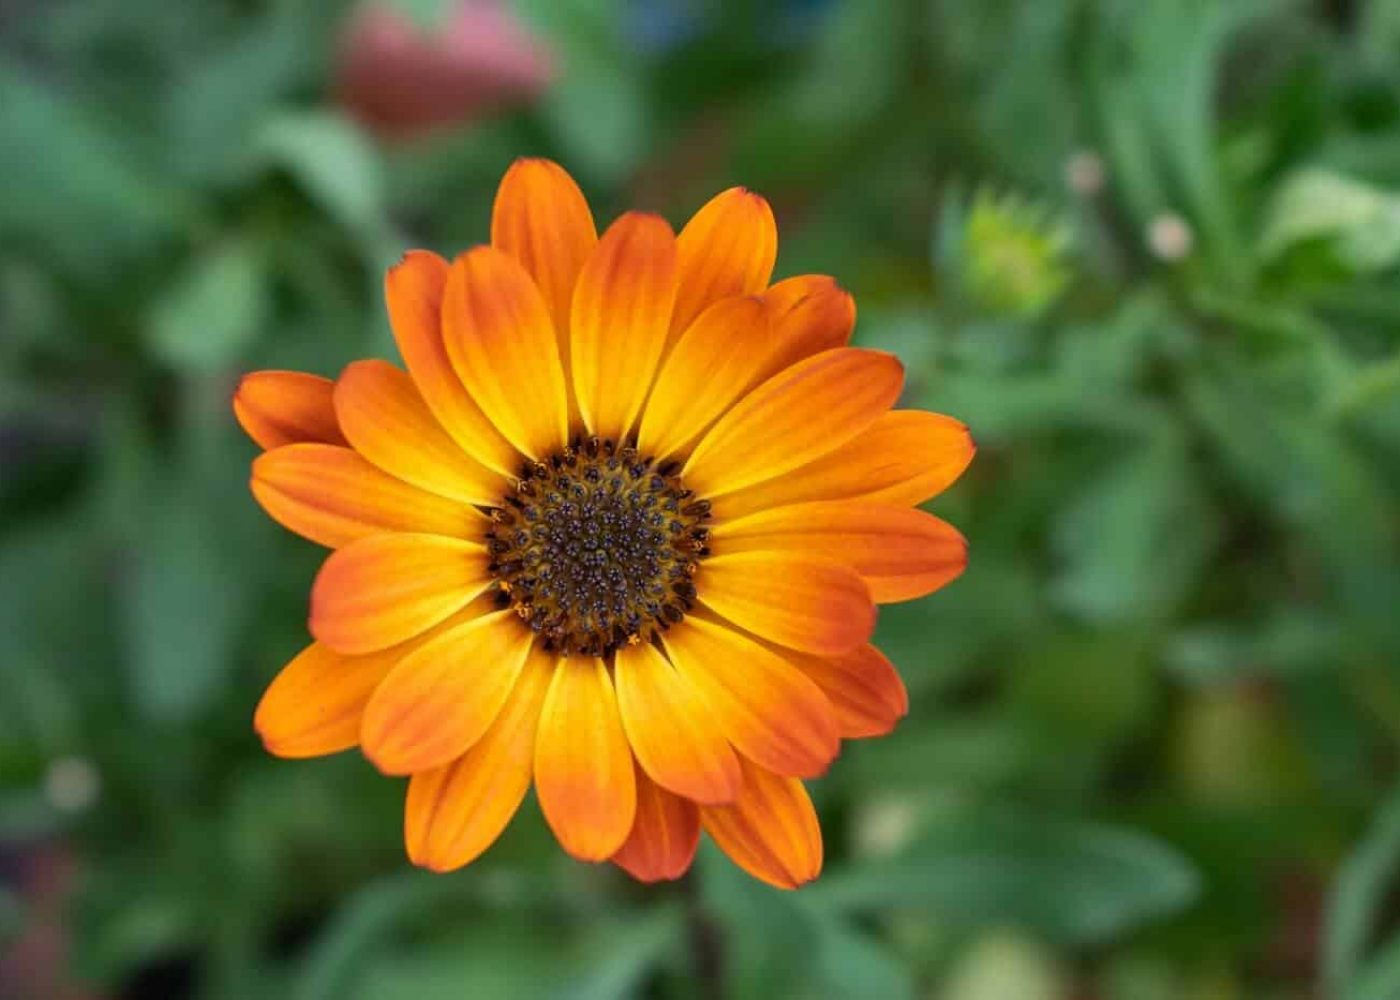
400 79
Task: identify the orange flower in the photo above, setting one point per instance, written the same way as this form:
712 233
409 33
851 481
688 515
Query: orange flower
619 530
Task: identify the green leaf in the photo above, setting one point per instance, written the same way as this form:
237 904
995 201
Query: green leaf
1362 221
338 958
336 164
495 955
73 188
1133 541
50 656
212 114
1068 881
183 605
623 955
1380 978
599 109
212 311
1357 901
850 963
767 935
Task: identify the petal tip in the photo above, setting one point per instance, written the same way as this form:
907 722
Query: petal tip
412 258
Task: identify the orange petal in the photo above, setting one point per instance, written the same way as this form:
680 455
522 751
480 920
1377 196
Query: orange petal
455 812
727 248
804 602
719 357
664 836
904 458
583 766
541 218
900 552
385 589
316 704
770 831
388 423
503 347
864 689
811 314
313 706
764 705
799 414
672 731
333 496
621 310
414 291
440 699
277 408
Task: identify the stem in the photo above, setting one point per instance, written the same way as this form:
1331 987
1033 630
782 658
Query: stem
706 941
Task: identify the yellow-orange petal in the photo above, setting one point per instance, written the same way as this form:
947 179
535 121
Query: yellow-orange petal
504 349
864 688
673 733
901 552
455 812
414 290
388 423
316 704
798 415
811 313
664 835
770 831
621 311
313 706
714 362
902 459
767 708
385 589
806 602
583 765
280 407
333 496
439 699
727 248
541 218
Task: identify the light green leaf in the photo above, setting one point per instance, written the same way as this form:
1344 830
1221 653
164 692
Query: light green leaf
598 109
1132 541
1361 220
73 188
183 604
212 113
336 164
1356 902
338 959
1071 882
1379 979
624 955
212 311
849 963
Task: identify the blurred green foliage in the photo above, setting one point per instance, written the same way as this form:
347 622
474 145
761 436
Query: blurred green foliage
1147 249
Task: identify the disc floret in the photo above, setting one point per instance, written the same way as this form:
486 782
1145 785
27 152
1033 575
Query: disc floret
598 546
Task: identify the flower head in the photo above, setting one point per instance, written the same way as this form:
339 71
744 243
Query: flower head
401 79
1015 255
618 531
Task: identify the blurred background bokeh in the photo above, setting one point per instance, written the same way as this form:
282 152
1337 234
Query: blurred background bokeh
1148 249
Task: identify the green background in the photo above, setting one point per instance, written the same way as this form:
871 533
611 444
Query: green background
1147 249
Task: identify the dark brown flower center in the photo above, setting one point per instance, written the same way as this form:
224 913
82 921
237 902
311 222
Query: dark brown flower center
597 547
